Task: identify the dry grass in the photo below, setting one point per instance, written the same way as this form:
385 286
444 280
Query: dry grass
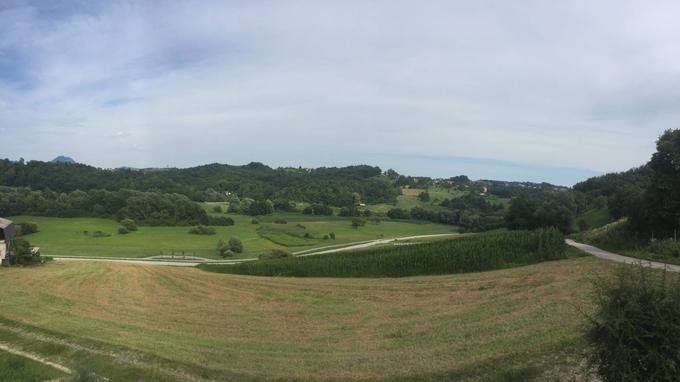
478 326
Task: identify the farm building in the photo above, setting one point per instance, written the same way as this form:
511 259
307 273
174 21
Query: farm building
7 232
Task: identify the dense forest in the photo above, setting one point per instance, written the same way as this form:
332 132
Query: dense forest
146 208
331 186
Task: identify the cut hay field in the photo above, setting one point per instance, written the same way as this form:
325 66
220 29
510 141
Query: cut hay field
65 237
131 322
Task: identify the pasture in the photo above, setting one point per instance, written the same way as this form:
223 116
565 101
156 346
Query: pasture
165 323
66 237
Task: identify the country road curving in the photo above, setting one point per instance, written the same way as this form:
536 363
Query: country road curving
602 254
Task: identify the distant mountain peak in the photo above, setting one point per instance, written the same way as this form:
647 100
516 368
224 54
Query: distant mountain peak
63 159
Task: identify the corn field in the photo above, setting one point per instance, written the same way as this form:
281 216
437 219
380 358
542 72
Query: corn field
467 254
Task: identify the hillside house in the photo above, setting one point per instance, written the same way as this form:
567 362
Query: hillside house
7 233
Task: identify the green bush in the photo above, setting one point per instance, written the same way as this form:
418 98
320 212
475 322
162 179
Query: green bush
100 234
217 209
24 255
129 224
26 228
123 231
665 248
224 249
358 222
635 332
202 230
281 221
275 254
235 244
466 254
254 221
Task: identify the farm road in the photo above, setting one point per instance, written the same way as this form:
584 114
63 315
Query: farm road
155 260
597 252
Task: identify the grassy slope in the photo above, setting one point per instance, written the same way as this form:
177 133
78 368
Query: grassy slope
595 218
15 368
501 325
64 236
410 199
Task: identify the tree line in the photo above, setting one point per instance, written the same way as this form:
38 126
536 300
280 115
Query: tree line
145 208
214 182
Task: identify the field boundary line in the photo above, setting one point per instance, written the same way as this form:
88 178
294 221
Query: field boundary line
35 358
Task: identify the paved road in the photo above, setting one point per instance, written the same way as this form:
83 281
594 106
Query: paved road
621 259
193 261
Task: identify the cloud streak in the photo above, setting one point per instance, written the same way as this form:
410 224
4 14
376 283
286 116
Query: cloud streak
548 87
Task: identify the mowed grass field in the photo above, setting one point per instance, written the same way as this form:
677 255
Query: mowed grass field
132 322
65 237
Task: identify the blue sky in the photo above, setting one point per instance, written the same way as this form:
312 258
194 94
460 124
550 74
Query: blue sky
521 90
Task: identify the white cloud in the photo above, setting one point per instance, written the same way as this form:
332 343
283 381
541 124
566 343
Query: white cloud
564 84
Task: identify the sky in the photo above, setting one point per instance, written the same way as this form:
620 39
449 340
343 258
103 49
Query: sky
554 91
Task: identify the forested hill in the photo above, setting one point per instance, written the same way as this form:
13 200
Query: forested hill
332 186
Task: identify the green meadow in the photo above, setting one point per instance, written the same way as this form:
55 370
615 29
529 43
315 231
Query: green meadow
66 236
16 368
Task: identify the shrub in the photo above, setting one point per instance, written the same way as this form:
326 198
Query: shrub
397 213
254 221
308 235
261 207
224 249
284 205
280 221
123 231
318 209
202 230
300 226
665 248
129 225
24 255
25 228
358 222
234 207
635 332
275 254
235 244
217 209
325 237
332 235
100 234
